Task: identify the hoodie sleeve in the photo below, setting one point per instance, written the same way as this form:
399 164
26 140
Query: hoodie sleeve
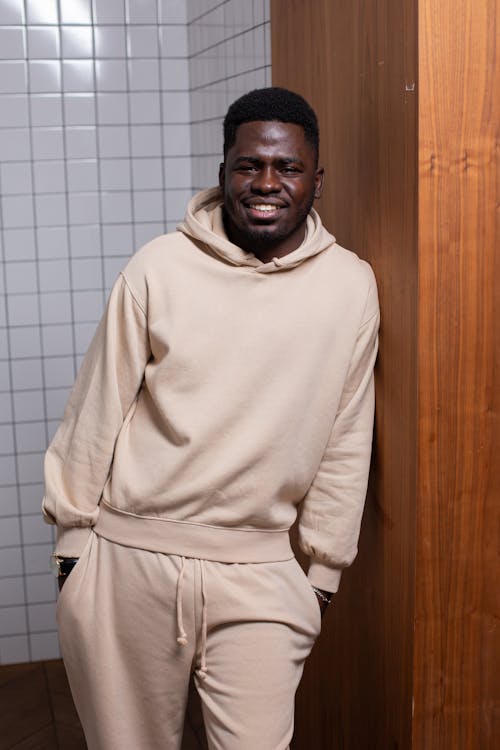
78 461
331 511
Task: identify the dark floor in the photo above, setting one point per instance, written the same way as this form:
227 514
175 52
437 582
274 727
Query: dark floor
37 711
36 708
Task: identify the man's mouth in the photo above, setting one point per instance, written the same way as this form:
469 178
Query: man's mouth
263 210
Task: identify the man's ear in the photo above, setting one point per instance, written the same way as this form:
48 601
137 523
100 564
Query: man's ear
318 182
222 169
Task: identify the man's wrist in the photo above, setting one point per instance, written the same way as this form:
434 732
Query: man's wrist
324 576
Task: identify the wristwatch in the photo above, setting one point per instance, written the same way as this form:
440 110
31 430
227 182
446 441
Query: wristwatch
62 566
325 596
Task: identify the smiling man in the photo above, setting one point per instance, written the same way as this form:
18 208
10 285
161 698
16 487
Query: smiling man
269 181
228 388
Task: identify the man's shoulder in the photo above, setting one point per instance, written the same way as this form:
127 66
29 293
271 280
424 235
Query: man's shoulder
158 251
353 280
154 264
156 257
348 265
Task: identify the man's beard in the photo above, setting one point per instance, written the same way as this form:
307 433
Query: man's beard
263 239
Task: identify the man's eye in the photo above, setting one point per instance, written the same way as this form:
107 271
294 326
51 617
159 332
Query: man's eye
290 170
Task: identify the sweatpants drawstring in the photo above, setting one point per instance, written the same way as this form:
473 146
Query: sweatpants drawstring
182 635
203 656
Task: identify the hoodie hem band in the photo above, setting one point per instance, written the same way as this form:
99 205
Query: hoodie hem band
192 540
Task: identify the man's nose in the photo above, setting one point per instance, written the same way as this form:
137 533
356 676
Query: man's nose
267 181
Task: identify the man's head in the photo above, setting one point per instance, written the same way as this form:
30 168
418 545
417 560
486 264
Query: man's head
272 103
269 176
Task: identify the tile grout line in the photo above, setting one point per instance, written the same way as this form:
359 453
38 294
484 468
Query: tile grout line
66 193
98 157
129 128
161 95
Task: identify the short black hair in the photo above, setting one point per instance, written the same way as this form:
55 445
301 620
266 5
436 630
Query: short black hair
273 103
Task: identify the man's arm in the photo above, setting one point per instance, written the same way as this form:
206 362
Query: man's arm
332 509
79 458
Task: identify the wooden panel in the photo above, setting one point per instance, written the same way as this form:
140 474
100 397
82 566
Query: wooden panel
457 669
355 62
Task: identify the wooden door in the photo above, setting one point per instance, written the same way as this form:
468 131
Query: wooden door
355 62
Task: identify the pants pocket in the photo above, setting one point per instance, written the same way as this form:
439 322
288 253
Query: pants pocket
309 597
77 571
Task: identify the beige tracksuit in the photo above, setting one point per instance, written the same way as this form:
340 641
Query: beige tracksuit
219 397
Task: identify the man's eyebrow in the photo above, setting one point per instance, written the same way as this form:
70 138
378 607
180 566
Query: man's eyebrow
284 160
251 159
291 160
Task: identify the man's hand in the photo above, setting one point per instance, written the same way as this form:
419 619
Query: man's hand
62 567
324 598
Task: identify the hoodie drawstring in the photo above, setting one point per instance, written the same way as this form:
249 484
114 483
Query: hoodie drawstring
181 633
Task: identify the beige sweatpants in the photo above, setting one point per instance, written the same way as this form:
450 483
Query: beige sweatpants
135 625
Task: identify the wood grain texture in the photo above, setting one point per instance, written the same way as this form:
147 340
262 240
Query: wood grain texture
457 669
356 63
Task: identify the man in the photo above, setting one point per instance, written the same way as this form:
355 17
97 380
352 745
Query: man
229 385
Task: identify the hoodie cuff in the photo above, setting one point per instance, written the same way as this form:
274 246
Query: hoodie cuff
323 576
71 542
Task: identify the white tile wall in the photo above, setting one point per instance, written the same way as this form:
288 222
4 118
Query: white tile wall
84 87
110 115
229 54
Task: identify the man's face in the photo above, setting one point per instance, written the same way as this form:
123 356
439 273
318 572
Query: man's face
269 181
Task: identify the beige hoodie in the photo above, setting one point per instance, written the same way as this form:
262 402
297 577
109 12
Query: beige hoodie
221 395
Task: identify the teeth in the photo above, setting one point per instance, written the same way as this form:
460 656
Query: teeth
265 207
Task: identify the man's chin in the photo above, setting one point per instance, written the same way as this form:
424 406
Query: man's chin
255 237
262 236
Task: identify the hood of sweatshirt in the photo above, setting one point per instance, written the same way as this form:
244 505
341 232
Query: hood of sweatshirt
203 222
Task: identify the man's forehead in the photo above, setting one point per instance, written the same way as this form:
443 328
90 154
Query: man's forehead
269 133
269 129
